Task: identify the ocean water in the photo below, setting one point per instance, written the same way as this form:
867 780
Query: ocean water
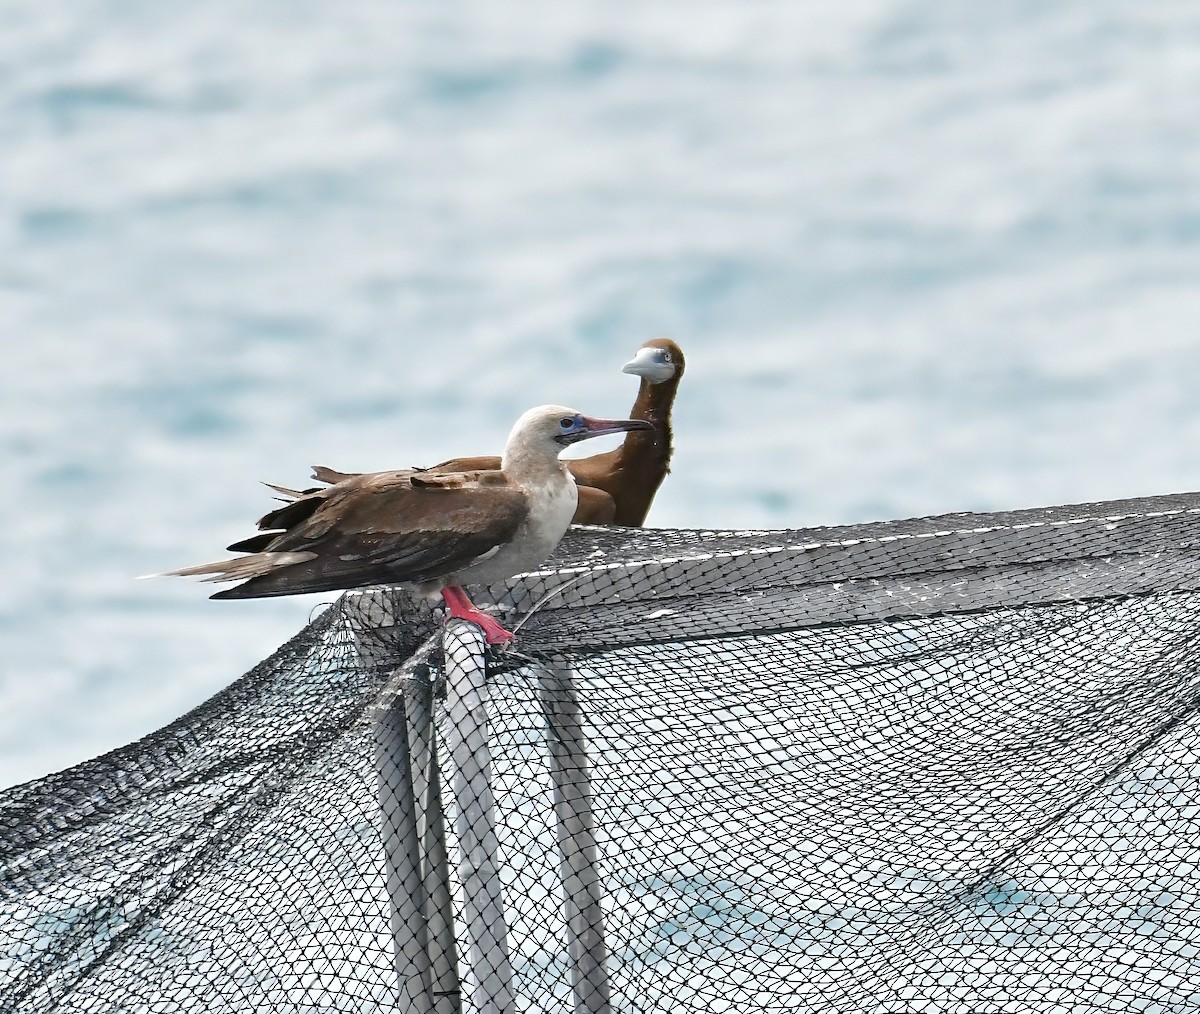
922 257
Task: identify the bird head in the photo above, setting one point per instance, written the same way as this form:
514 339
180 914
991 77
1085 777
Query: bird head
657 361
573 427
546 430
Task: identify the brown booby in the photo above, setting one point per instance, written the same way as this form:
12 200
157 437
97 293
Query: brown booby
615 487
434 531
630 475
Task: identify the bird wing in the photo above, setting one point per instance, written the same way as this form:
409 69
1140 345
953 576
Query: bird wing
385 528
323 473
598 470
477 463
594 507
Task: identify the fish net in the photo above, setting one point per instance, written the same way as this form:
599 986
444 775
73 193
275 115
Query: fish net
941 765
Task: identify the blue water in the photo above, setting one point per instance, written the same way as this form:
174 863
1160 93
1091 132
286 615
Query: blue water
922 256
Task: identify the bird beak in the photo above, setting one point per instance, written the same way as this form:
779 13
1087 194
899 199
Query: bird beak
646 364
602 427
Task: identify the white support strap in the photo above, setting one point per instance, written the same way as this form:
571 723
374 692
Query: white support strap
479 873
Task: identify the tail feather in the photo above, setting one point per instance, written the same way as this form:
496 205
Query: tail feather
291 494
241 568
255 543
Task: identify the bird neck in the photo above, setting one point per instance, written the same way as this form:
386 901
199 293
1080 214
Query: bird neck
532 465
653 405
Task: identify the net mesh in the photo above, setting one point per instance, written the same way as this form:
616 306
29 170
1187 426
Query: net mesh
938 765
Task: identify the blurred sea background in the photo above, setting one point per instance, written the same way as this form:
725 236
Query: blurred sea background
923 257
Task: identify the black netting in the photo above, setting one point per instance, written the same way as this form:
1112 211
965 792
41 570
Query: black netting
946 765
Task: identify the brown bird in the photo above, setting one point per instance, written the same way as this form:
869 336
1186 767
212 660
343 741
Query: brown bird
617 486
435 531
630 475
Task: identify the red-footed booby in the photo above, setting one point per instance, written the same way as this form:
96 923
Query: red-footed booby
617 486
435 531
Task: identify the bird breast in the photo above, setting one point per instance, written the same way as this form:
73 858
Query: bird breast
551 507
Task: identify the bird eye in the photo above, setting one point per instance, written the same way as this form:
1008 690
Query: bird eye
567 422
666 356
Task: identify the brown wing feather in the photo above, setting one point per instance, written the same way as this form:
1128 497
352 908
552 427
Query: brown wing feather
380 528
323 473
595 507
594 476
254 544
478 463
599 470
307 501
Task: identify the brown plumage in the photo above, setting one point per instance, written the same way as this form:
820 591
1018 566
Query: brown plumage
368 529
432 530
618 486
631 474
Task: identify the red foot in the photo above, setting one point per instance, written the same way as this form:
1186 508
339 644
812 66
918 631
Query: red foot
457 604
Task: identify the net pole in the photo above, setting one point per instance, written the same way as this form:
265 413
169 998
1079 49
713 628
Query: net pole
369 615
410 950
431 830
575 829
479 871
